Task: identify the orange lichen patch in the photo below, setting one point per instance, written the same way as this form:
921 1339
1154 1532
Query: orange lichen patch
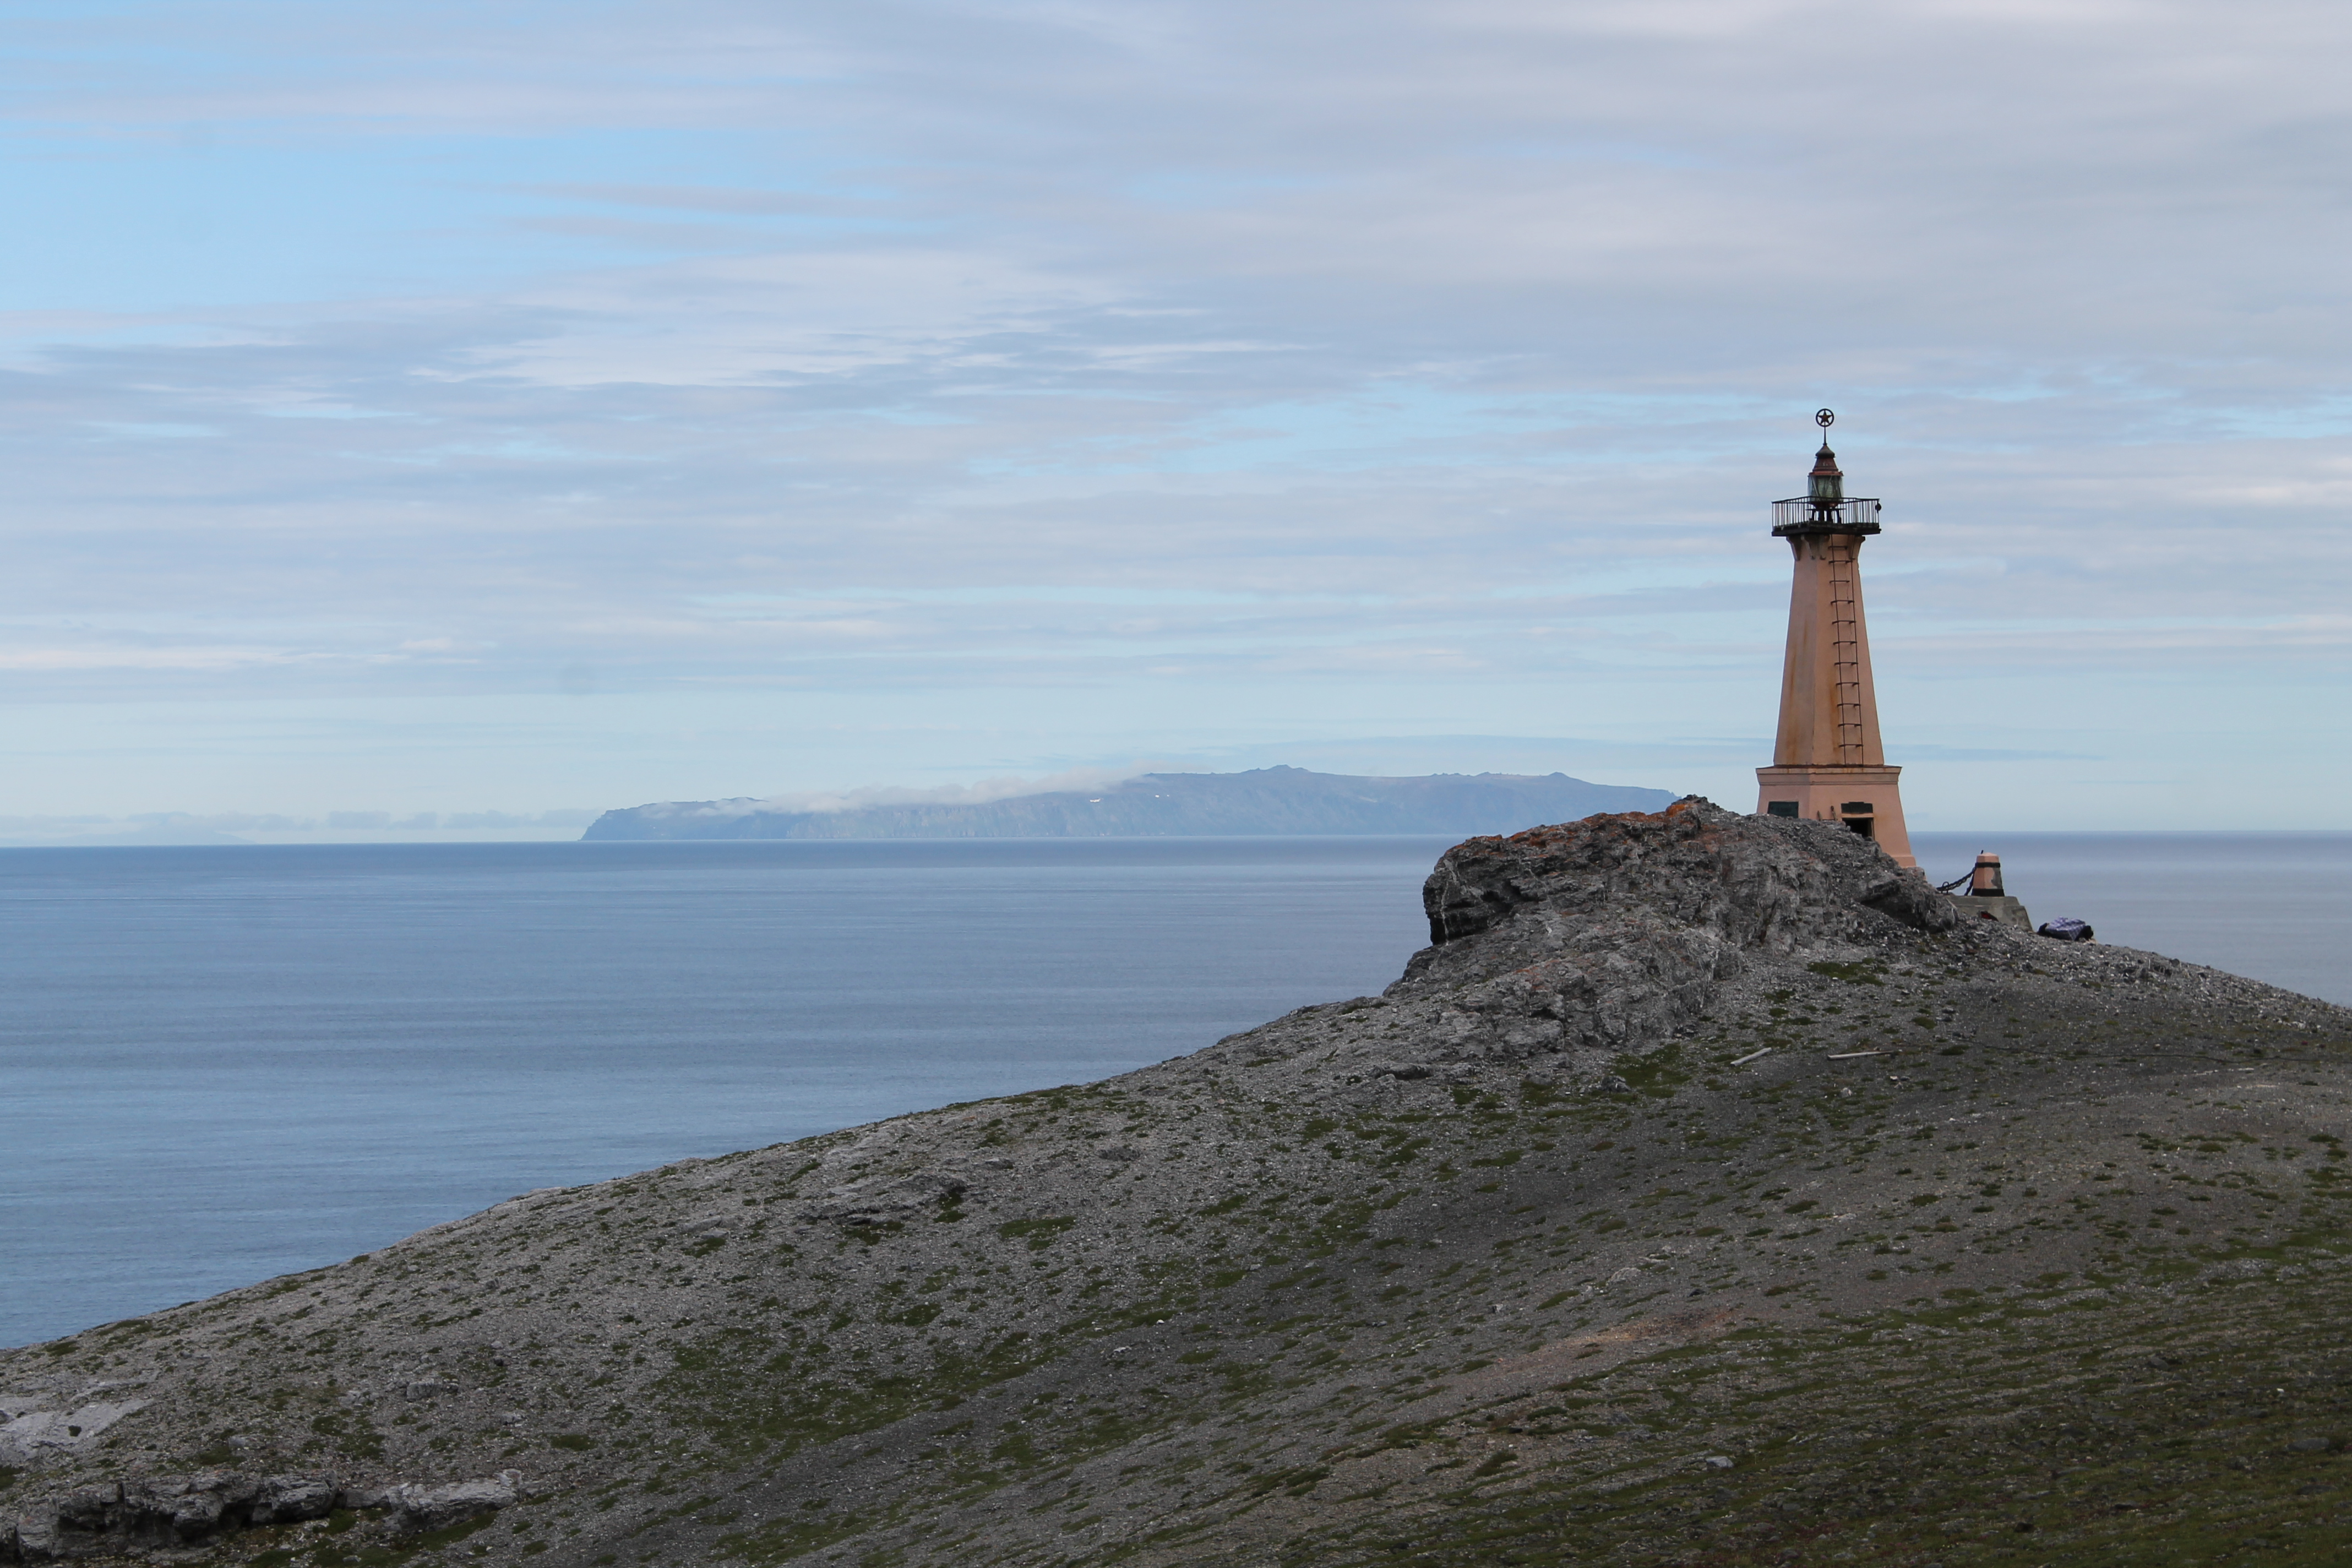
1554 835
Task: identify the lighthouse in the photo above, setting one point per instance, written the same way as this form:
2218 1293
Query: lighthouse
1827 762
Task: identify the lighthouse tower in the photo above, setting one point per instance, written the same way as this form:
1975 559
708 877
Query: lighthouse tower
1827 763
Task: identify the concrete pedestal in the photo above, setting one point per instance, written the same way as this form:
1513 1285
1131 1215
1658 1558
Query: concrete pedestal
2006 909
1863 798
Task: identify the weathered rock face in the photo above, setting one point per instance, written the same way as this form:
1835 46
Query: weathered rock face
110 1517
1608 934
424 1508
107 1519
1687 1146
33 1431
1764 882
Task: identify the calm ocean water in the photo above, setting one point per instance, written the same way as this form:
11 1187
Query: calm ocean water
219 1065
2275 906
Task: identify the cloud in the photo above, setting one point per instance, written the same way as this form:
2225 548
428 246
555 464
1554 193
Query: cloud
1111 381
859 799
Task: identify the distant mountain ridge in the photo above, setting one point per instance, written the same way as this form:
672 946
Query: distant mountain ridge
1263 800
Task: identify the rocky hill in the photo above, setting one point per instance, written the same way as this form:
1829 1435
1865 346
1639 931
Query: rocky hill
1710 1191
1262 801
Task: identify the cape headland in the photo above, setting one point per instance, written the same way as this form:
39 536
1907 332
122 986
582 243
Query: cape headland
1263 800
1709 1191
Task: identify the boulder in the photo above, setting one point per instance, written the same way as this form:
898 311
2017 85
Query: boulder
420 1508
1617 932
170 1509
288 1500
878 1202
165 1511
1770 882
36 1435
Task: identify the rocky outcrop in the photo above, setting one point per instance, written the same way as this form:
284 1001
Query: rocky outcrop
113 1516
880 1203
162 1511
1764 882
416 1508
1617 930
36 1429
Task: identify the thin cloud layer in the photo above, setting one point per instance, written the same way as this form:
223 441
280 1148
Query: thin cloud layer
830 801
991 389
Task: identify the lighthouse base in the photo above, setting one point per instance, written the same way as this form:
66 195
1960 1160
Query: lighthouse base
1865 798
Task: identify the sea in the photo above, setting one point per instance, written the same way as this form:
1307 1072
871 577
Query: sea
219 1065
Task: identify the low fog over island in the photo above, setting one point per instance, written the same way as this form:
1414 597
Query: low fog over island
1278 800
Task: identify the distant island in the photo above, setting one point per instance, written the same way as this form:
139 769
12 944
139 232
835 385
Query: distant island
1263 800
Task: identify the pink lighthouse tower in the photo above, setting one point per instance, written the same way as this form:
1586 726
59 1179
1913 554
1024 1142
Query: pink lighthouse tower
1827 763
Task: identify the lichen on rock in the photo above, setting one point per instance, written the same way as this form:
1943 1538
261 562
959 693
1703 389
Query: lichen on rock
1615 932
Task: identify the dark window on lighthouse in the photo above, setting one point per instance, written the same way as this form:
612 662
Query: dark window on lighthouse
1856 807
1781 807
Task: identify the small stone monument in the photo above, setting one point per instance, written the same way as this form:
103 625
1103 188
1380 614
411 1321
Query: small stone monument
1988 899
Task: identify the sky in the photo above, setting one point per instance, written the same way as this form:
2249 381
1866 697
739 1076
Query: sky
453 420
